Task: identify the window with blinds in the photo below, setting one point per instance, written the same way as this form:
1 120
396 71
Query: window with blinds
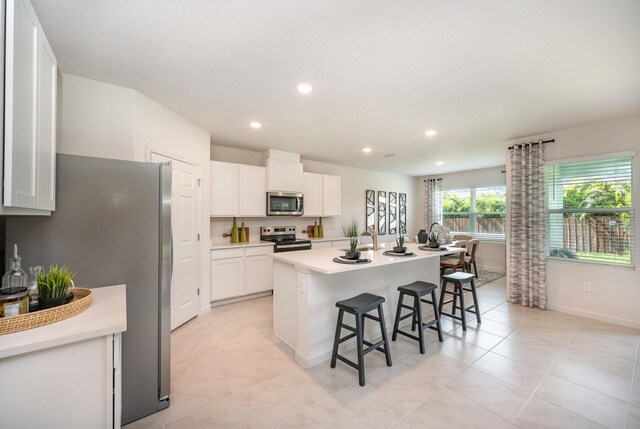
590 210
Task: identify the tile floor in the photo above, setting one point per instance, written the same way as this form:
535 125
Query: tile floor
520 368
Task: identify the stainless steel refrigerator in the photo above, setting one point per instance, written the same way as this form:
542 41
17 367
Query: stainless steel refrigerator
112 225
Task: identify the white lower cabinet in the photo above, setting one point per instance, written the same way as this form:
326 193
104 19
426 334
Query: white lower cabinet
75 385
240 271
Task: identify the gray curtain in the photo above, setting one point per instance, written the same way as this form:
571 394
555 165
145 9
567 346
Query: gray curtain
432 202
527 227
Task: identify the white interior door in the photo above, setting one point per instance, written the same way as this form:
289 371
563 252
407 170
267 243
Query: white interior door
185 210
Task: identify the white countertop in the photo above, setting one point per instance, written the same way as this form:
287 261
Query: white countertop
228 245
106 315
321 260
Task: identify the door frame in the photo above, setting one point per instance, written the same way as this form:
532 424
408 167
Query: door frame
198 165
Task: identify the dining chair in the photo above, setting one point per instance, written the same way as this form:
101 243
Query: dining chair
470 257
456 261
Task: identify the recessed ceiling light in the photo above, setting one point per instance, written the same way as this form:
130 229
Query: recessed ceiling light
431 133
255 125
304 87
439 162
366 150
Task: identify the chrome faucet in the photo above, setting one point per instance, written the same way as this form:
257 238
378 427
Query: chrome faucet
371 232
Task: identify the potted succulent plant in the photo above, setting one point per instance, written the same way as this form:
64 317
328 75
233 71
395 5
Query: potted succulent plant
400 247
53 286
350 229
432 241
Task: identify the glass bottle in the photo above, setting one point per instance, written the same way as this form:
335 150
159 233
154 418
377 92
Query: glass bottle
234 232
32 287
316 232
320 229
243 234
14 280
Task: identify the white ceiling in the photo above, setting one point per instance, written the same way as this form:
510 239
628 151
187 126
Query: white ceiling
480 72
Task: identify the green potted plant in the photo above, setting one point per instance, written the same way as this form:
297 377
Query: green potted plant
350 229
400 247
53 286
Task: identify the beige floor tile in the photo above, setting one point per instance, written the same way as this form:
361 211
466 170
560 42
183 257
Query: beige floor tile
541 414
621 345
508 318
535 354
633 418
446 409
509 371
601 360
154 421
246 371
593 378
432 368
593 405
275 401
635 389
477 337
491 326
369 406
458 350
542 332
224 414
314 418
502 399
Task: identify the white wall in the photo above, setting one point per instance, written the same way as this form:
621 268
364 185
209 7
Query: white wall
354 183
107 121
491 254
95 118
615 290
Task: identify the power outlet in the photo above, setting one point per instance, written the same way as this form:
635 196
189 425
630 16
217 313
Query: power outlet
586 286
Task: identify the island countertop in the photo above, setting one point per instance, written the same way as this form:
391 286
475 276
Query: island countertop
321 260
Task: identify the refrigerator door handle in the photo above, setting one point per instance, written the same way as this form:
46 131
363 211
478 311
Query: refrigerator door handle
170 254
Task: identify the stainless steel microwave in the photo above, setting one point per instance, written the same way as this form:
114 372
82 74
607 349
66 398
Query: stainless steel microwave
285 204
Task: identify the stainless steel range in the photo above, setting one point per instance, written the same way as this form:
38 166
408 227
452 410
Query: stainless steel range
283 238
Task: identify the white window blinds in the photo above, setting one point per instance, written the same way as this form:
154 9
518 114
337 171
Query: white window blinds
590 210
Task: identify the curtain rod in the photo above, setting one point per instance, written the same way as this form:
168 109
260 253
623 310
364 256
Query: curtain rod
425 180
533 143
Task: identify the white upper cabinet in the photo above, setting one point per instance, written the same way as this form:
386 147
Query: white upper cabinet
47 126
224 189
312 194
252 191
29 112
284 176
332 194
322 195
238 190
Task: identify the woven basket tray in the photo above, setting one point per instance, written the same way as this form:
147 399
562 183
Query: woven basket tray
80 302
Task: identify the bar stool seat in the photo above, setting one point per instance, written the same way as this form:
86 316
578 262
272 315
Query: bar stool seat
459 279
360 306
417 290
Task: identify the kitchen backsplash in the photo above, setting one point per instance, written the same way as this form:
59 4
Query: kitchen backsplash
221 225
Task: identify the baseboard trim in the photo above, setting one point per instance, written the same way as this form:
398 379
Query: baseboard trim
596 316
241 298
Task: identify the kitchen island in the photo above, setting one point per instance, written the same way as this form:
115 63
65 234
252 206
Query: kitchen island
307 284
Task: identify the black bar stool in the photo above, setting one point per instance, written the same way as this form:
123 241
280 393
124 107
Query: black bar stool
359 306
417 290
458 279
